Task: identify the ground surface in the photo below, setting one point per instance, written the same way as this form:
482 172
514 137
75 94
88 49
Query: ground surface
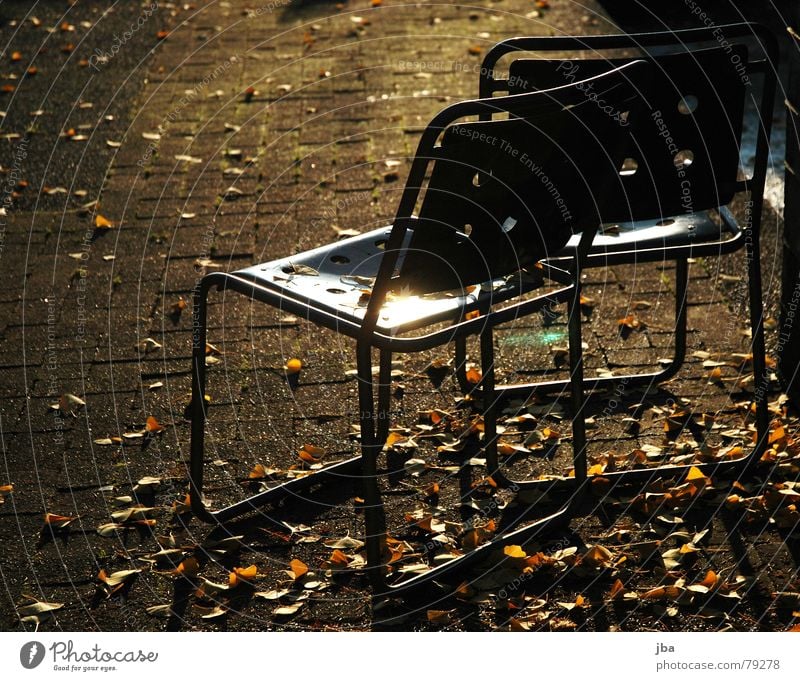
214 136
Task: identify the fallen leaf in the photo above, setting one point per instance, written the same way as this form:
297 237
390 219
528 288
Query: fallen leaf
298 568
240 574
37 612
58 522
311 454
188 567
293 366
440 616
345 543
153 426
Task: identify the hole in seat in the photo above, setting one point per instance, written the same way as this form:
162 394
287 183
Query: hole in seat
688 105
666 222
684 158
629 167
335 290
340 259
381 243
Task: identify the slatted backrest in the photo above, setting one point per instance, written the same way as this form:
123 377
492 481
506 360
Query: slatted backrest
689 147
504 194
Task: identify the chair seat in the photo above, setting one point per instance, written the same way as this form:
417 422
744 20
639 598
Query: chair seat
336 280
692 230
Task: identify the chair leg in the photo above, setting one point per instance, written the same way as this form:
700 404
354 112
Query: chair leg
489 407
461 365
760 375
197 410
374 517
198 407
384 396
576 393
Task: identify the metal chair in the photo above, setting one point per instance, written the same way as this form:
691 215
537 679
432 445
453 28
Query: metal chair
674 192
469 260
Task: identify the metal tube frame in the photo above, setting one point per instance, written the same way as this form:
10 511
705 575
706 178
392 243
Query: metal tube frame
368 335
747 237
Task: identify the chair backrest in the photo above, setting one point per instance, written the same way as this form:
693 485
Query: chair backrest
688 151
505 193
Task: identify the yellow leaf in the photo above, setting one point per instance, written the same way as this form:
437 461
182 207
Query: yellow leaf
697 477
101 222
393 439
514 551
293 366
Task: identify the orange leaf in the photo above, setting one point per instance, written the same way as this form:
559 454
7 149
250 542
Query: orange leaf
514 551
697 477
161 35
293 366
240 574
617 590
153 426
258 472
189 567
393 439
16 56
59 521
473 375
439 616
101 222
710 579
339 557
298 567
311 453
429 491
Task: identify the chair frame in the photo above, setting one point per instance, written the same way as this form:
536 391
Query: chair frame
747 236
368 336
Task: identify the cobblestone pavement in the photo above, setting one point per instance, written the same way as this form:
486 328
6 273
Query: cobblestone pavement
240 132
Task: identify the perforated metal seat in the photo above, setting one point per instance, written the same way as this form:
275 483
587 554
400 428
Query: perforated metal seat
704 233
